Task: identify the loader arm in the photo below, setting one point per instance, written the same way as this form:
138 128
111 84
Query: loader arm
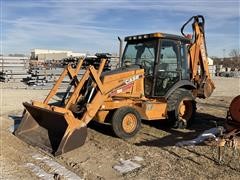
72 73
59 129
198 58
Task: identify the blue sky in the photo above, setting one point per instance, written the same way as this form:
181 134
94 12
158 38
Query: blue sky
93 26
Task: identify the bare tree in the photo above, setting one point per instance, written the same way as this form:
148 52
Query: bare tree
235 54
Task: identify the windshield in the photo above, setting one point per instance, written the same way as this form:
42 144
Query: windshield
141 53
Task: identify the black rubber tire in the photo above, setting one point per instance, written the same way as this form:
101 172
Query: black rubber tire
173 105
117 120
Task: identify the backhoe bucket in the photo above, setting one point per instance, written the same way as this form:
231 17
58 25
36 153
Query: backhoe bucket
50 130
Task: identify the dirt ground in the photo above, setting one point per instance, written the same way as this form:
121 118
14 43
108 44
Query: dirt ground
155 143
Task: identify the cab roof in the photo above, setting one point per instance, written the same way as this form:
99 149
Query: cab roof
157 35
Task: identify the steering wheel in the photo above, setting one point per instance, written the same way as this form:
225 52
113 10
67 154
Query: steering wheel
145 62
146 68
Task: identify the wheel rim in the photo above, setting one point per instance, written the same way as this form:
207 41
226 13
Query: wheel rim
185 109
129 123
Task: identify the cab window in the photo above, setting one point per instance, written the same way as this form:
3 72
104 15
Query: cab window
141 53
167 70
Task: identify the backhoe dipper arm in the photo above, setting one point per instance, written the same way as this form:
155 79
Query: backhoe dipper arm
198 58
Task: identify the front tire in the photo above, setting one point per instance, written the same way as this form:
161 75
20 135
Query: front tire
126 122
181 107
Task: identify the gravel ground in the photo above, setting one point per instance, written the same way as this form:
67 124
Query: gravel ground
95 160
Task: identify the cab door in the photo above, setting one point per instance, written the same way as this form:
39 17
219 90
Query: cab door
168 69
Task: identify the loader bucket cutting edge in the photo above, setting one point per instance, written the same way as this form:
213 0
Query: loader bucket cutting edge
49 130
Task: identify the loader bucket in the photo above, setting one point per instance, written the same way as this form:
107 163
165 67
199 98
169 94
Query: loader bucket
49 130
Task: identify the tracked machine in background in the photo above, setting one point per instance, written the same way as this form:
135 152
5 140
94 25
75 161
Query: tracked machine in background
159 78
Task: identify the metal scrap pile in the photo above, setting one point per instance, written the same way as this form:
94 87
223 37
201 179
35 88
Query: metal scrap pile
42 75
70 60
90 60
13 69
235 74
96 60
35 73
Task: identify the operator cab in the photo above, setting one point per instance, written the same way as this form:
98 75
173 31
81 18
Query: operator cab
163 58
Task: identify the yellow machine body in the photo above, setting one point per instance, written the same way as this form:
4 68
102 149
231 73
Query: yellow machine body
101 96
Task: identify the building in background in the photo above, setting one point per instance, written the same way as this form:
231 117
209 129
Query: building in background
211 67
210 61
48 54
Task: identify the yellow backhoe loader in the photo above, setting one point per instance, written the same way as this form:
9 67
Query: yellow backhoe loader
159 78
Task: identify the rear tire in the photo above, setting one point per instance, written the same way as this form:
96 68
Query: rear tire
126 122
181 106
